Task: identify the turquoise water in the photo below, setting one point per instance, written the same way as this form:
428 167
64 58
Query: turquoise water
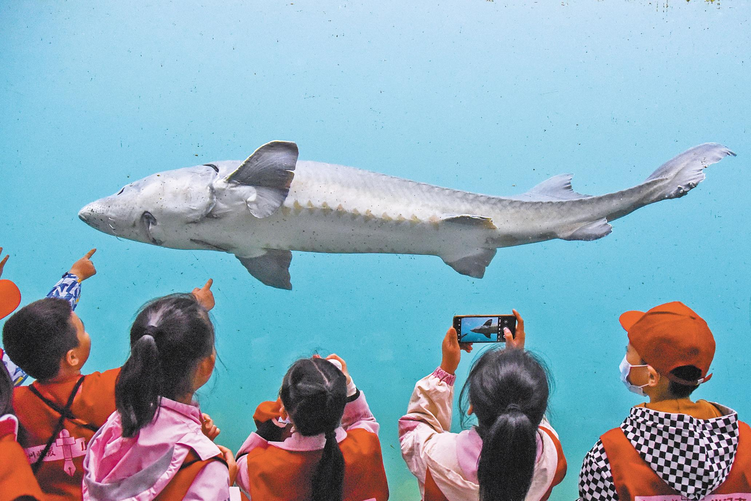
492 97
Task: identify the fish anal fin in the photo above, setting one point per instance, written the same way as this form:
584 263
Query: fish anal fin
555 189
470 220
271 268
590 231
473 264
270 170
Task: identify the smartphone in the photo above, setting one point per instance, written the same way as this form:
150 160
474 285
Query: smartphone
483 328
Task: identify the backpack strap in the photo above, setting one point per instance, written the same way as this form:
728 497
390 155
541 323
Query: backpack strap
178 487
64 413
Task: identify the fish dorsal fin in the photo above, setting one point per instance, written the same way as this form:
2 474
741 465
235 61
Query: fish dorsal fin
270 170
557 188
488 323
271 268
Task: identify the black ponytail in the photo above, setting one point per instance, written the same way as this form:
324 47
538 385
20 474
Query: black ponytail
169 336
328 477
508 390
314 393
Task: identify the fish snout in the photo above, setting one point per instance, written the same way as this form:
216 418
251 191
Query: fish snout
93 215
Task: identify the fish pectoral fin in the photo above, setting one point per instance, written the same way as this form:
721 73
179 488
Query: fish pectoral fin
469 220
589 231
555 189
473 264
271 268
270 170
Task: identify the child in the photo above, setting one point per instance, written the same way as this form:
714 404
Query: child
16 478
513 454
60 412
154 446
671 447
318 441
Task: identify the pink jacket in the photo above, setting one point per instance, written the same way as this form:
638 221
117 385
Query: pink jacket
138 468
428 445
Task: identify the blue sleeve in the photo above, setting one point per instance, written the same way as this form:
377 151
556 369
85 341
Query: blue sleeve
68 288
17 375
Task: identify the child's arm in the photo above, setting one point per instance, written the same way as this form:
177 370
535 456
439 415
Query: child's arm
2 263
356 413
69 287
430 408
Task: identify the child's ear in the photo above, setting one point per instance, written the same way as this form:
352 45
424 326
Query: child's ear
71 358
471 410
654 376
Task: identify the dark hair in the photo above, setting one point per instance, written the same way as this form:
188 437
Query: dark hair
508 390
689 373
6 391
38 336
314 393
169 336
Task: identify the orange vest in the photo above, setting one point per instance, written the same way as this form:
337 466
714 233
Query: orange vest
633 478
61 473
281 475
16 478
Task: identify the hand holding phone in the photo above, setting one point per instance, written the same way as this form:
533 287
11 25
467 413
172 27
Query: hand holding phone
483 328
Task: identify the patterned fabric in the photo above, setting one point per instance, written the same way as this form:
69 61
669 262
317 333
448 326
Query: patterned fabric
693 456
68 288
595 479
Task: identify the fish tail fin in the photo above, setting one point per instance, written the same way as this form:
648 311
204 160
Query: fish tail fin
686 170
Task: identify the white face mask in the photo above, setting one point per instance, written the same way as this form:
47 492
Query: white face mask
625 368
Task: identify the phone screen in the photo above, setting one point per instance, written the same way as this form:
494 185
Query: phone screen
483 328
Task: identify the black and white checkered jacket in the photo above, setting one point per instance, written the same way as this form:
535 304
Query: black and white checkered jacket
693 456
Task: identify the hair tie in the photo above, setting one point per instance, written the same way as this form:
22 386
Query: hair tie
512 408
148 335
330 434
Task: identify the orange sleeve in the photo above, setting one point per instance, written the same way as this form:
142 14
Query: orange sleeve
16 478
97 397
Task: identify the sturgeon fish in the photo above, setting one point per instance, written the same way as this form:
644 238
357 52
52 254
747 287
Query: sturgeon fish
487 328
263 208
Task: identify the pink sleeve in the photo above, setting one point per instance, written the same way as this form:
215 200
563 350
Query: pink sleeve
243 480
357 415
428 415
211 484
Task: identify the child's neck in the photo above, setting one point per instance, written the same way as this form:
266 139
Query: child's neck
66 373
185 399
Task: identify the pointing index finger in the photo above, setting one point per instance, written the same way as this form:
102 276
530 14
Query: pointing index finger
90 253
209 284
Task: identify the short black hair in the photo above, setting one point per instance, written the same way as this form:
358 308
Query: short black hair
688 373
38 336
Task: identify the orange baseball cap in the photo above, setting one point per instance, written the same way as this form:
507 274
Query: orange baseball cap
669 336
10 297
